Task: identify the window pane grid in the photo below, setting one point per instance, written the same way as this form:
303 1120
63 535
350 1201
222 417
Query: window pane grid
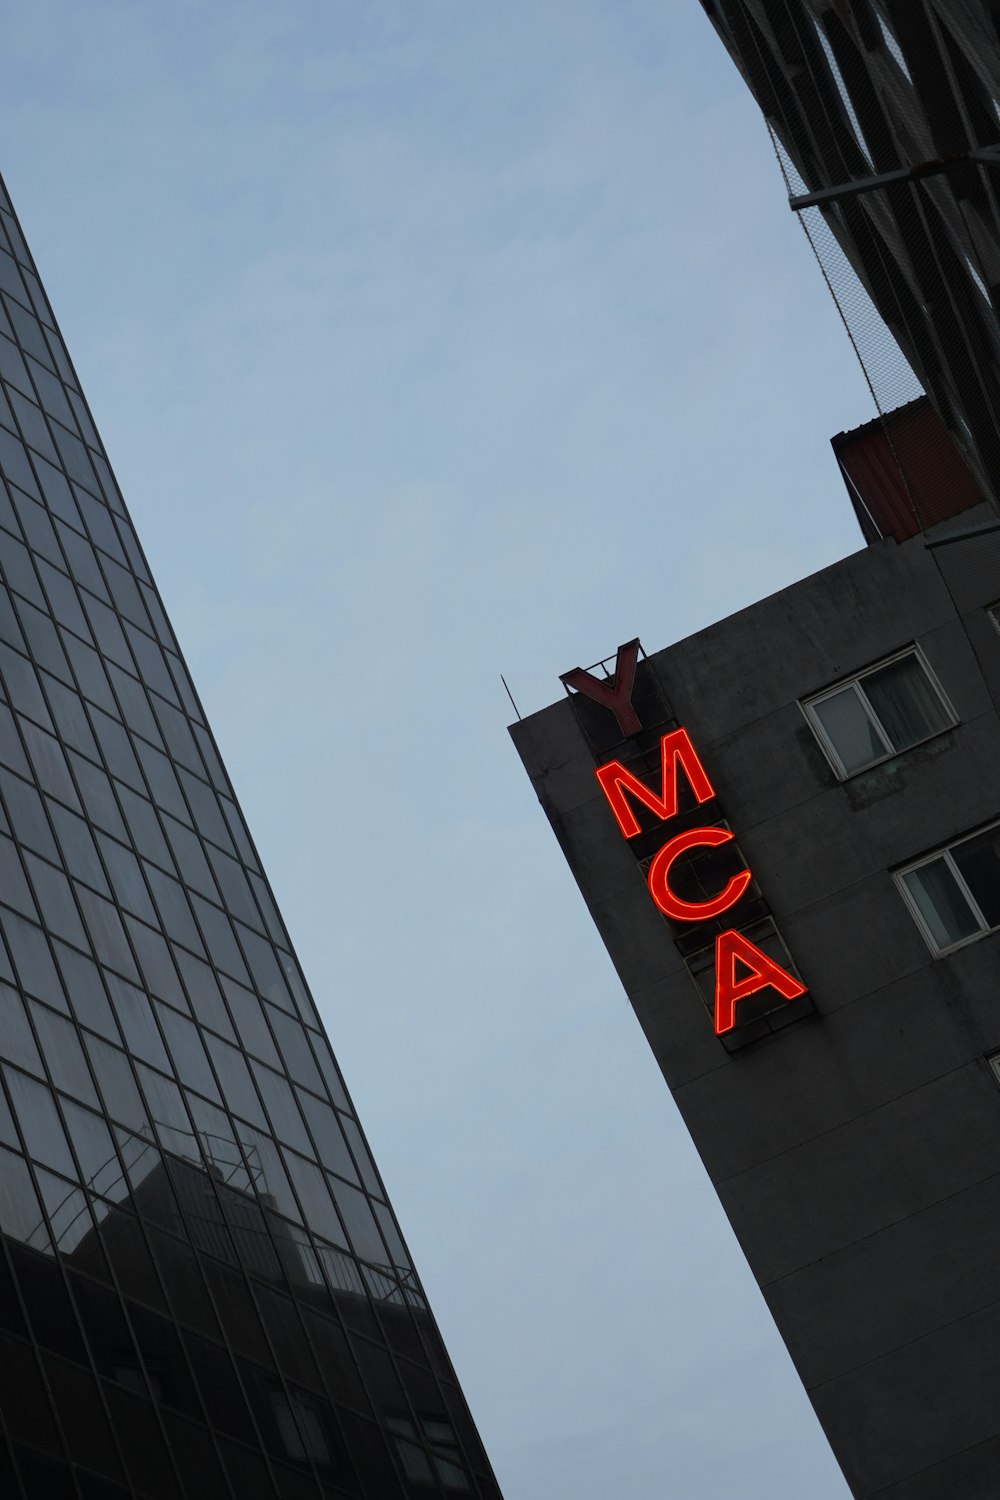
870 710
933 903
909 689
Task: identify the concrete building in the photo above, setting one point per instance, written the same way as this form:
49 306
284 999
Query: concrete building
843 796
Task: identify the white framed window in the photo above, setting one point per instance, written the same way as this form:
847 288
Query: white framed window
890 707
954 894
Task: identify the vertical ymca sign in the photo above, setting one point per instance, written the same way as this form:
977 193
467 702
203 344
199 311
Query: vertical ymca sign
741 968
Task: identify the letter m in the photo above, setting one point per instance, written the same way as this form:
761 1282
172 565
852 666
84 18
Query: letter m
676 749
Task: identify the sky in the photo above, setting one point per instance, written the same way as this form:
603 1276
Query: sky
432 340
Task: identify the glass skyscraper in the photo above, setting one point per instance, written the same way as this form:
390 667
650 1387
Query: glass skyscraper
203 1290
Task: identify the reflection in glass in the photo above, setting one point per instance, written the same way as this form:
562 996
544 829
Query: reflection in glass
39 1120
938 898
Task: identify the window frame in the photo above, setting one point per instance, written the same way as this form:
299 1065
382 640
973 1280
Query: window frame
944 851
856 680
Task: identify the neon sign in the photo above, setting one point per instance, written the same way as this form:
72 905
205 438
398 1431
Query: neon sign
756 970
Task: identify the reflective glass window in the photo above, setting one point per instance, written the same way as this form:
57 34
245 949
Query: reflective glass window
12 366
51 395
126 879
392 1236
32 959
85 988
10 625
125 593
264 967
145 829
20 681
237 1085
99 1164
117 1085
295 1049
205 996
286 1122
220 939
20 1211
61 1044
326 1133
107 933
205 805
39 1120
79 851
188 1051
134 1010
17 1044
27 815
331 1074
267 907
156 963
213 764
175 913
161 625
82 559
49 764
362 1156
32 424
314 1195
55 900
167 1112
11 750
248 1017
98 797
267 1171
96 516
117 748
43 641
26 327
8 1132
38 529
162 781
234 886
69 1222
356 1212
134 704
70 717
190 856
90 673
58 495
15 463
153 671
63 597
18 569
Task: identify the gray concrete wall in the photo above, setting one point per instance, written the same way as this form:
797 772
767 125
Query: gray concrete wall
857 1153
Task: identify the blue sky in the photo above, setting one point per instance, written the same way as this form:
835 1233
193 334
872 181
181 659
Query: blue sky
432 340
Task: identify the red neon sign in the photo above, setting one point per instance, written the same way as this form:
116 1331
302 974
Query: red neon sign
762 973
675 749
693 911
732 947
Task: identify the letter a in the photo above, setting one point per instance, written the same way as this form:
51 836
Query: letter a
763 974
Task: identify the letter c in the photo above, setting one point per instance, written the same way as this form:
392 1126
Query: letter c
693 911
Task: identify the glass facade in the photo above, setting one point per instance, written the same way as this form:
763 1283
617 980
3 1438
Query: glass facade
203 1290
